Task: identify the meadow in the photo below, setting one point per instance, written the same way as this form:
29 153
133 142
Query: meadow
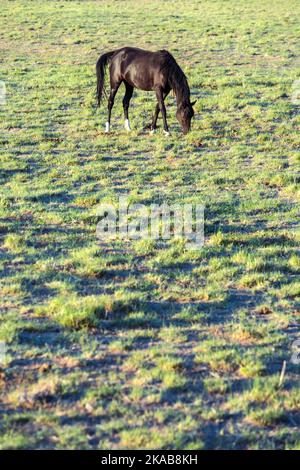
143 344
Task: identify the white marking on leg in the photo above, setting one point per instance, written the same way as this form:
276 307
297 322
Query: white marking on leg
152 131
107 127
127 125
167 133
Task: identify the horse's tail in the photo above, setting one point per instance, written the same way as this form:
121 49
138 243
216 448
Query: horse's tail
100 72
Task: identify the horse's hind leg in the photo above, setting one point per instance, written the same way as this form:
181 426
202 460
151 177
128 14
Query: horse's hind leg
114 86
126 101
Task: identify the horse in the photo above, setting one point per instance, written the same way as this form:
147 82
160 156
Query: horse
148 71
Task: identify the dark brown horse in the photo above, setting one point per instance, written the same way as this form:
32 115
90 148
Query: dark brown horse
149 71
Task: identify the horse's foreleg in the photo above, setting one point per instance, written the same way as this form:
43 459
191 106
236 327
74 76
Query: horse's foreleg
111 100
160 95
156 113
126 101
154 120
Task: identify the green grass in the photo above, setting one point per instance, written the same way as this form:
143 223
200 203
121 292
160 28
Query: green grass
145 344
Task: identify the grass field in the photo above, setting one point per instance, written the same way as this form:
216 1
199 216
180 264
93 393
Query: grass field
143 344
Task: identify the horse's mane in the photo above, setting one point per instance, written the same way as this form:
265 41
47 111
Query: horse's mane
177 79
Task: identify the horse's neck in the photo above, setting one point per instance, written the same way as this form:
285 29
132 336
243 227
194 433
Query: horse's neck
182 94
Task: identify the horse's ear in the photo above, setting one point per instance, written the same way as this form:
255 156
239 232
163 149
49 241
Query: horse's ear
193 102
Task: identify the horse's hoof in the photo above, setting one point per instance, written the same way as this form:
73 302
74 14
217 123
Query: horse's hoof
152 131
127 125
167 133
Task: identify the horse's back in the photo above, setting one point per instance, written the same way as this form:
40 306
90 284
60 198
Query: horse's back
137 53
141 68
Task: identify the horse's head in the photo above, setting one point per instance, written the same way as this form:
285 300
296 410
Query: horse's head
184 115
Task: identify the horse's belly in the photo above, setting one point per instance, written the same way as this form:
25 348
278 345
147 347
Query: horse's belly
143 81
